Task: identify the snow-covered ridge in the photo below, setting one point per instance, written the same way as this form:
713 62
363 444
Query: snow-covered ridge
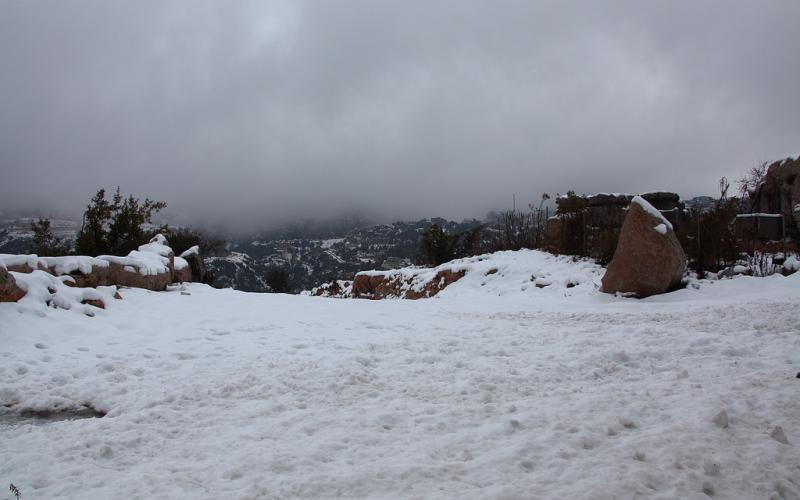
527 272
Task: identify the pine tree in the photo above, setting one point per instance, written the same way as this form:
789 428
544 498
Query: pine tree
116 226
45 244
436 246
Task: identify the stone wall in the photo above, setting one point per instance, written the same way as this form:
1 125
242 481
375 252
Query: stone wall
590 225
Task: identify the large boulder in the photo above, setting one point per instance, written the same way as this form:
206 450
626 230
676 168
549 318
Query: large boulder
86 272
779 193
649 259
183 272
137 276
9 291
195 260
150 267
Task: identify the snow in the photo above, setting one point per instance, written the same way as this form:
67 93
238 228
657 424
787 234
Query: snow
335 257
330 242
145 263
44 291
150 259
72 263
746 216
180 263
8 260
792 263
493 389
650 209
195 250
661 229
503 273
158 245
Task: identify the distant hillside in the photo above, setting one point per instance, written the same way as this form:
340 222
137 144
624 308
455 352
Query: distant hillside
313 252
312 259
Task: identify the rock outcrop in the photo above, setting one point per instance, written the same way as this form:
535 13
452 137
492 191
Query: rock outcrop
382 285
150 267
648 259
335 289
86 272
138 277
779 193
195 260
9 291
21 263
183 272
153 267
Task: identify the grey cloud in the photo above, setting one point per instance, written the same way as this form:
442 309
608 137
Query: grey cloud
257 112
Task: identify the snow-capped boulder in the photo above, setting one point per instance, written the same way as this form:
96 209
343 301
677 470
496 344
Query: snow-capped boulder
149 267
9 291
21 263
195 260
649 259
85 271
183 272
43 291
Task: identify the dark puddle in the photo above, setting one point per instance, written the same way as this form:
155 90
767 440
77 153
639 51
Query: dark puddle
41 417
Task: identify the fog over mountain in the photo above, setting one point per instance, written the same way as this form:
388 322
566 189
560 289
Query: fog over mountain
244 113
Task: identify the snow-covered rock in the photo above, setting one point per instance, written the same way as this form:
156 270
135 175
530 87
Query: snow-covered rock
530 271
183 273
42 290
197 266
9 290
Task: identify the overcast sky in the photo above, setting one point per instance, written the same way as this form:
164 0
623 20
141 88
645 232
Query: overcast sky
264 111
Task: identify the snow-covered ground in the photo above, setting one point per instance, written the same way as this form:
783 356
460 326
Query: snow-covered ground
494 389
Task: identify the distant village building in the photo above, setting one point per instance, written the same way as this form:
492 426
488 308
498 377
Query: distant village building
395 263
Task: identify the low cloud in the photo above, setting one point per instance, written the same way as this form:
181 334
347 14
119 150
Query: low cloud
251 113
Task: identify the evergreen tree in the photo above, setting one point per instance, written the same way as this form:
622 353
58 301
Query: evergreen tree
116 226
277 279
436 246
45 244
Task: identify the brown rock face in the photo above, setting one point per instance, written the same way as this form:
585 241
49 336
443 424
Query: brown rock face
336 288
197 267
117 275
646 262
97 277
381 286
182 275
780 193
94 302
9 291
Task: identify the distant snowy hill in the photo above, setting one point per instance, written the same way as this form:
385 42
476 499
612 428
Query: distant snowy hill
313 252
16 236
313 256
